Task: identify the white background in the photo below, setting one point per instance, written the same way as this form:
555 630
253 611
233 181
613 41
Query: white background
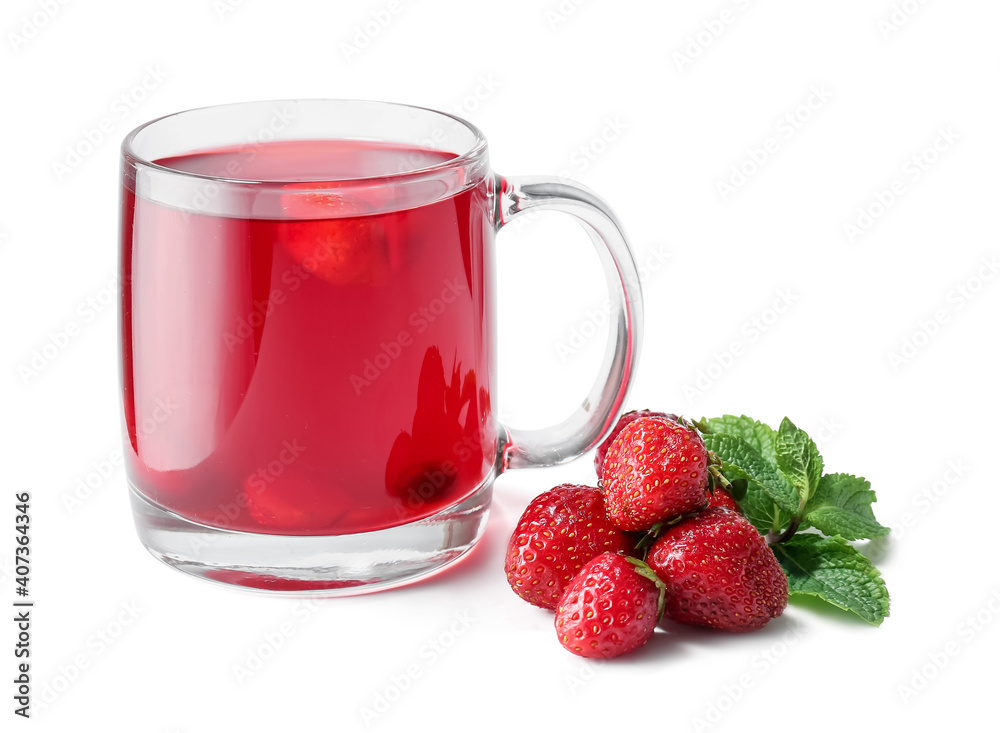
550 84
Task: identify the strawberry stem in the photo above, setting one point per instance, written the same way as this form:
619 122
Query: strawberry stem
647 572
718 479
648 539
702 427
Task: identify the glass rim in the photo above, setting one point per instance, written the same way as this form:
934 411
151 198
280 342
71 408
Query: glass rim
474 154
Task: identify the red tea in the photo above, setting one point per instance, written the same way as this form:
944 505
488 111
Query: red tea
314 368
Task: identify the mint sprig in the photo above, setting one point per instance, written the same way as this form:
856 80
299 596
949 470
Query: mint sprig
787 491
740 460
842 506
757 434
798 459
763 513
831 569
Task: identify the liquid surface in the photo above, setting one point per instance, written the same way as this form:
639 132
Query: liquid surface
319 373
307 160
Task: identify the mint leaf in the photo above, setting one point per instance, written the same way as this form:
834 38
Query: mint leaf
756 433
842 505
798 458
742 460
738 488
829 568
761 510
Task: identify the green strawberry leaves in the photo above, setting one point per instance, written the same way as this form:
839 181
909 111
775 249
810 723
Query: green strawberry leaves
641 568
831 569
786 490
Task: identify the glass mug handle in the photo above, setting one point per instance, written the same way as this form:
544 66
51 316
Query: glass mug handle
581 431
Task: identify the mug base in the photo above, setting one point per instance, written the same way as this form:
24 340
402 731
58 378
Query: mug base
314 566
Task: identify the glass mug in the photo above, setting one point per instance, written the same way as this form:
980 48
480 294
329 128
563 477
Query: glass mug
307 340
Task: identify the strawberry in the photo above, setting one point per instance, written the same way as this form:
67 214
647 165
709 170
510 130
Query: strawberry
610 608
330 237
560 531
655 471
719 572
602 449
722 498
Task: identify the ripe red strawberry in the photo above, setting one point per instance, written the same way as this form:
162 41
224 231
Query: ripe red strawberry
722 498
625 419
655 471
330 237
610 608
719 572
559 532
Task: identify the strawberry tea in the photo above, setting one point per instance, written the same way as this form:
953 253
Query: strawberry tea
307 337
246 334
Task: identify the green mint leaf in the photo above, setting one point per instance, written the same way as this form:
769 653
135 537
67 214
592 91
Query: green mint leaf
761 510
757 434
738 488
740 460
829 568
798 458
842 505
